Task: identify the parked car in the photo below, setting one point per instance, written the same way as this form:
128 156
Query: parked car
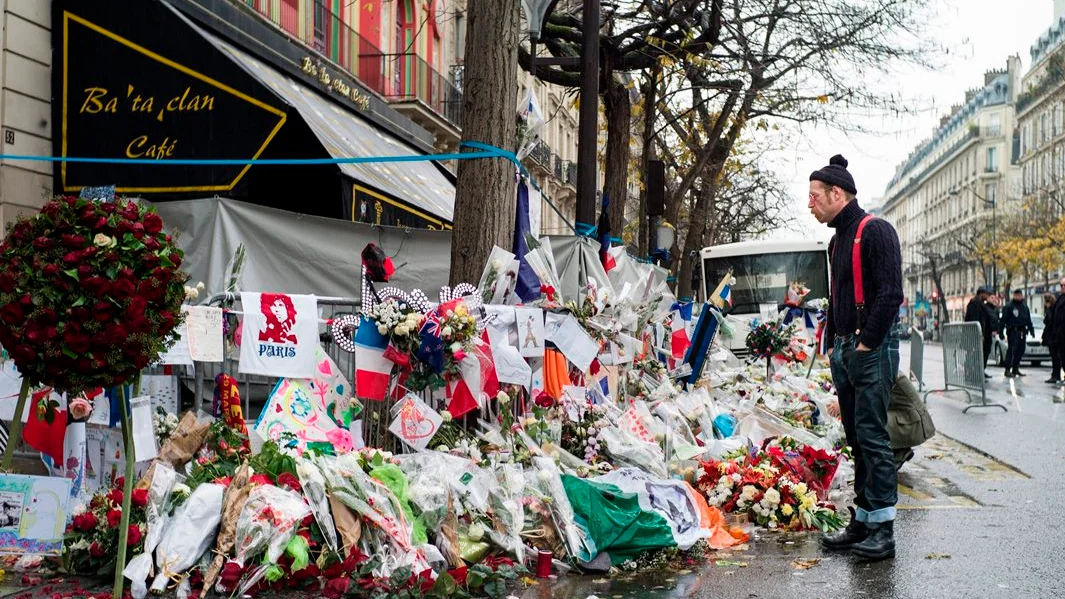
1035 352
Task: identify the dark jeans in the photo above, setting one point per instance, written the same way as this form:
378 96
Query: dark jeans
987 348
1015 347
1056 364
863 383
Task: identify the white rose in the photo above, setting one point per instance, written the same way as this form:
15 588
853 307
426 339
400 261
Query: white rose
382 329
402 331
772 496
446 332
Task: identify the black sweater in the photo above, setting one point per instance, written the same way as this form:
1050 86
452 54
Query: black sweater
881 275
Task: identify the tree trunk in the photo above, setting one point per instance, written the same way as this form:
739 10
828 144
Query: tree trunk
650 110
619 132
485 190
697 227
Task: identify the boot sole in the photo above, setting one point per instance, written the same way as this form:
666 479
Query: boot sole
872 557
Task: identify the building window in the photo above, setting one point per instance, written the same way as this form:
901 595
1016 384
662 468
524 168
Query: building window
992 160
994 126
321 26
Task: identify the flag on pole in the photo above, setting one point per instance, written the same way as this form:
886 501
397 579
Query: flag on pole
680 339
372 369
722 295
528 284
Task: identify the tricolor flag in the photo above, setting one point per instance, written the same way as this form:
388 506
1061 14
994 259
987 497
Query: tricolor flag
372 369
604 236
681 330
478 382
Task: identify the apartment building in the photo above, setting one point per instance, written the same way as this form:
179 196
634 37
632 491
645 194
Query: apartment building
251 78
944 198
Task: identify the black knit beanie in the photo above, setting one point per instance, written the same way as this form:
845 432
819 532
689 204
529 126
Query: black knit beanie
836 174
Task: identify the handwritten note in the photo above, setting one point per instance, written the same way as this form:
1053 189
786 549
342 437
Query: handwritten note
204 326
178 354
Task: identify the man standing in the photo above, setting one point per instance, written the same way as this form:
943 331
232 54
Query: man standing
1056 338
977 311
1048 328
864 354
1017 322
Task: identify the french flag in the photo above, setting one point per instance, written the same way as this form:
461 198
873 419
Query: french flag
478 380
726 294
681 325
372 369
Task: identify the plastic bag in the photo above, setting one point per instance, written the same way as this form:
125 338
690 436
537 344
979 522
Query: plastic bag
139 568
267 522
189 534
314 490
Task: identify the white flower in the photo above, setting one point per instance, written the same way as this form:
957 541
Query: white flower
402 331
200 286
382 329
182 489
81 545
502 397
772 496
749 491
800 489
447 331
476 532
79 509
102 240
446 416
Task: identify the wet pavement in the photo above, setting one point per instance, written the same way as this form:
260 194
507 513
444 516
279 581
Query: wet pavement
981 515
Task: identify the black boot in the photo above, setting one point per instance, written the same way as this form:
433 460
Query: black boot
1018 373
880 544
856 532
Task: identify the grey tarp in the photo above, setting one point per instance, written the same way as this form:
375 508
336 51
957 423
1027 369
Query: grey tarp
295 253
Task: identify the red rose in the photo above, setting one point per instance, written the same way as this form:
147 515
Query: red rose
544 400
140 497
176 259
260 479
72 257
7 283
230 575
153 223
135 535
138 230
118 334
73 241
43 243
11 313
122 289
115 495
25 353
51 209
96 550
51 333
84 270
102 311
124 226
140 362
114 517
131 211
51 270
26 300
152 244
287 479
85 522
336 588
100 224
107 207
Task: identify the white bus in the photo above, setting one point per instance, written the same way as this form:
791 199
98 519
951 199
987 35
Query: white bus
763 271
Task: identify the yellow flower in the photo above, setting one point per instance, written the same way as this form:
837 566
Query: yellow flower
461 310
786 509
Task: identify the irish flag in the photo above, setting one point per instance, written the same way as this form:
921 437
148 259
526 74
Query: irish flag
372 369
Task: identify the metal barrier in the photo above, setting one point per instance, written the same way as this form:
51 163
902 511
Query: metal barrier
255 389
917 358
963 363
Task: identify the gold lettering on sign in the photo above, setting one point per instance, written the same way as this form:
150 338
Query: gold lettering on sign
140 148
94 101
334 83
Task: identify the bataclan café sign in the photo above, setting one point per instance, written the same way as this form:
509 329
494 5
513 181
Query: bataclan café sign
144 84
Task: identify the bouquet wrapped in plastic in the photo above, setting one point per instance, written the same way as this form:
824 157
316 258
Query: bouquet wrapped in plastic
189 534
314 489
267 522
235 497
156 514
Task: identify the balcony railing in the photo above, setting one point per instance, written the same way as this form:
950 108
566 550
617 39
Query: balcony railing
409 77
393 76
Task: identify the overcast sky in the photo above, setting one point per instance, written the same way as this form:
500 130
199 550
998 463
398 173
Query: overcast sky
980 35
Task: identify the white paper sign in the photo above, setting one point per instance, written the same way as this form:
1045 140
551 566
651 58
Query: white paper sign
204 327
178 354
163 390
144 447
511 367
530 332
280 335
500 323
571 339
101 410
415 423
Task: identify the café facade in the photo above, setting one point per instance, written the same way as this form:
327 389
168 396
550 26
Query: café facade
173 81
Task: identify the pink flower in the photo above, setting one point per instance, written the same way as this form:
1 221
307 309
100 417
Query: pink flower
80 409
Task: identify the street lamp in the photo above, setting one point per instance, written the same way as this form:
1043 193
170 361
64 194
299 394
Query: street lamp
994 257
588 118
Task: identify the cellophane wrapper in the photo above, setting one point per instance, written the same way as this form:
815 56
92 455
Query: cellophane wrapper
268 522
189 534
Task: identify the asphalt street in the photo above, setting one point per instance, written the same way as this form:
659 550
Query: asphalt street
980 516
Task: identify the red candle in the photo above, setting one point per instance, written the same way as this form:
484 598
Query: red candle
543 564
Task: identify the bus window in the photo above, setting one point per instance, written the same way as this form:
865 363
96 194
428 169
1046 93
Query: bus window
764 278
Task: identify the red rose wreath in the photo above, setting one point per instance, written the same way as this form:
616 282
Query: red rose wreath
89 293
